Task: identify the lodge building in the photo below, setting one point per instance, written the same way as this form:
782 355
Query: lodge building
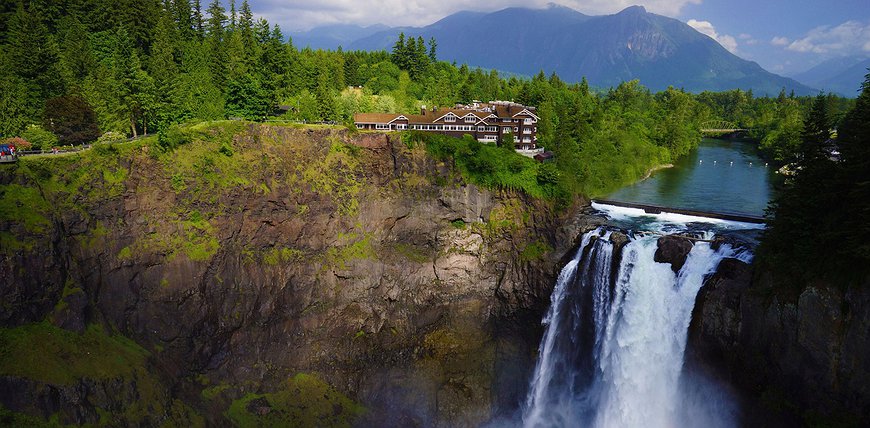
487 122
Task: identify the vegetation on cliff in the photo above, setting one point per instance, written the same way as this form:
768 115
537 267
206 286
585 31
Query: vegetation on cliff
819 224
251 211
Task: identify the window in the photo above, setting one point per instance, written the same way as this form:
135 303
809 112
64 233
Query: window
360 126
527 130
516 129
401 126
470 119
505 130
481 128
450 118
527 121
382 126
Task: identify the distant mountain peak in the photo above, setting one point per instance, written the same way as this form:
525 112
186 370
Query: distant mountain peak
609 49
633 10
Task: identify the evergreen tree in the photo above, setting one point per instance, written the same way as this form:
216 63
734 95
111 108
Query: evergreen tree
854 141
432 46
246 29
77 58
399 52
163 68
33 55
215 42
184 19
198 20
816 132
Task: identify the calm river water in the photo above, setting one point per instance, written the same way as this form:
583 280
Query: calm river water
720 176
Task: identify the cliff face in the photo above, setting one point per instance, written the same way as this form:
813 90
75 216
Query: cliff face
259 267
799 356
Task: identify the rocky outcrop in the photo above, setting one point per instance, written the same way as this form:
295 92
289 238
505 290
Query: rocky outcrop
798 354
351 257
674 250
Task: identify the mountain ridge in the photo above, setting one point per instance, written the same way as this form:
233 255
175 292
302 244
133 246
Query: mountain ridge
631 44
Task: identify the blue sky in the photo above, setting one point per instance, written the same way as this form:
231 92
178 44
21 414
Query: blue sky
784 36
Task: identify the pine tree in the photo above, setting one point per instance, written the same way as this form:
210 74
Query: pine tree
198 20
817 131
399 58
432 46
164 70
184 19
854 140
77 58
215 37
246 28
34 56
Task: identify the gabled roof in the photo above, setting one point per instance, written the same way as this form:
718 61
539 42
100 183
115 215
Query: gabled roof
527 112
375 117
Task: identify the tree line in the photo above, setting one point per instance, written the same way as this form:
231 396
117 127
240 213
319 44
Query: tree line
71 70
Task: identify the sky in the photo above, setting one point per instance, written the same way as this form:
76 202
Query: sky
783 36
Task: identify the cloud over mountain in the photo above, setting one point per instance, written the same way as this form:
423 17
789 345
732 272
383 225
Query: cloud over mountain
304 14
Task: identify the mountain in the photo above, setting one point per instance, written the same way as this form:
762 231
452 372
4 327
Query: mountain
333 36
632 44
842 75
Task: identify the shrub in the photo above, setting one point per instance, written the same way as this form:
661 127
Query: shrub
111 137
39 137
18 142
169 139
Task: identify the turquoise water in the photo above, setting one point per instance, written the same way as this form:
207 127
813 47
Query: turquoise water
719 176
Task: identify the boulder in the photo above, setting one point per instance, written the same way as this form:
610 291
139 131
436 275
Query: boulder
674 250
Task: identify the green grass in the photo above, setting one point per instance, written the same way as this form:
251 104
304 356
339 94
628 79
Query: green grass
304 401
491 166
535 251
280 255
52 355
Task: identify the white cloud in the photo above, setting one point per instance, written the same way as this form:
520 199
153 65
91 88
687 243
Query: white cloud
707 28
780 41
305 14
848 38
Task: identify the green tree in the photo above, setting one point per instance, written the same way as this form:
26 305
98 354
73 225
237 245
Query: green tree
246 98
432 46
39 137
217 55
34 56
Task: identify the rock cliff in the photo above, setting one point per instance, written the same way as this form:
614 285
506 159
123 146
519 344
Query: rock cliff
261 274
797 354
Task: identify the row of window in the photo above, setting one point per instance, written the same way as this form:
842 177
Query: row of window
401 126
443 127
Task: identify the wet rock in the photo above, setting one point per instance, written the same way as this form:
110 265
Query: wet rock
674 250
69 314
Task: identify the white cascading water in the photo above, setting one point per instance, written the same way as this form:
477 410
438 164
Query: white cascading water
612 354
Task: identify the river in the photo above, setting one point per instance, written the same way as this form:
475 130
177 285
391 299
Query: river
719 176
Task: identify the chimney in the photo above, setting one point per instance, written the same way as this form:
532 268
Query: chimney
423 110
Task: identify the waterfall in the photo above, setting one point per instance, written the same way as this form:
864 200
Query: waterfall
612 353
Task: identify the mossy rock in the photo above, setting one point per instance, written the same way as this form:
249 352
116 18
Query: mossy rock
305 401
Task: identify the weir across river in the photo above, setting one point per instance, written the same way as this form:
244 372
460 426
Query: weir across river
657 209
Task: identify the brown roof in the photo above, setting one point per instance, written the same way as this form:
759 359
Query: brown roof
375 117
505 111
